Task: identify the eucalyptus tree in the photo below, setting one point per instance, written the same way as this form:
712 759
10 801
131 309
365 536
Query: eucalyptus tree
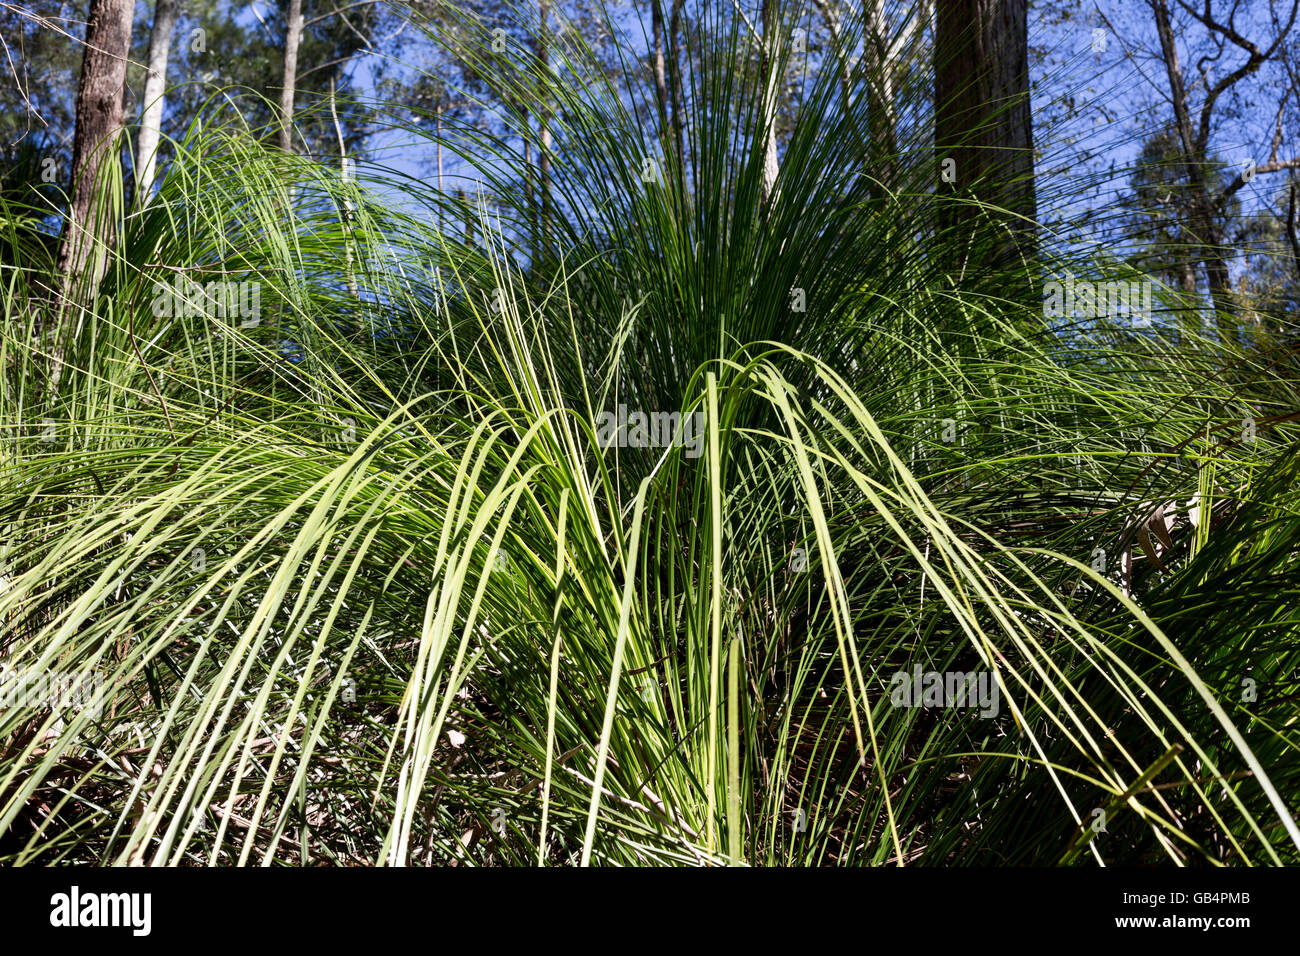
983 134
1194 121
90 227
155 88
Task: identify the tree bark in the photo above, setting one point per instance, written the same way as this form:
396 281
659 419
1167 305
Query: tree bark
1292 236
469 219
842 68
544 121
349 212
880 91
529 195
289 78
89 232
880 141
442 196
657 64
769 68
679 118
99 121
155 88
984 124
1203 228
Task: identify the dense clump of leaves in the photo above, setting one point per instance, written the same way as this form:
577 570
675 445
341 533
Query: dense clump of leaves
363 586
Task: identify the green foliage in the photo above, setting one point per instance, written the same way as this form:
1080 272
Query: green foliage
362 586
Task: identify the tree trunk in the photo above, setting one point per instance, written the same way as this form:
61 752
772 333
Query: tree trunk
880 91
155 88
660 71
99 121
1292 236
679 118
89 232
529 195
984 126
1203 228
469 219
843 70
349 212
442 196
770 67
289 80
880 141
544 122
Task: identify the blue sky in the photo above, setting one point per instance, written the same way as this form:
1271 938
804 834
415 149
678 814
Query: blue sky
1097 95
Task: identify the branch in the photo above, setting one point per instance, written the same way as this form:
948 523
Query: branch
1273 167
915 17
1128 53
1228 31
1277 132
1177 89
22 91
338 10
752 32
833 28
1257 57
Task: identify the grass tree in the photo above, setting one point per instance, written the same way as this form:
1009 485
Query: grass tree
662 549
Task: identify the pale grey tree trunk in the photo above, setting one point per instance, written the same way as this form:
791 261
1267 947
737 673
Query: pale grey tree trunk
155 89
771 70
349 211
544 121
660 70
880 90
877 67
442 204
289 78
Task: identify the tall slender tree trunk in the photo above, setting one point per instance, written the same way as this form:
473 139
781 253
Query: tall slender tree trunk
155 88
89 232
660 70
844 72
289 77
99 121
529 194
349 211
544 121
442 204
1292 235
469 219
880 91
984 127
679 116
1203 227
770 68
